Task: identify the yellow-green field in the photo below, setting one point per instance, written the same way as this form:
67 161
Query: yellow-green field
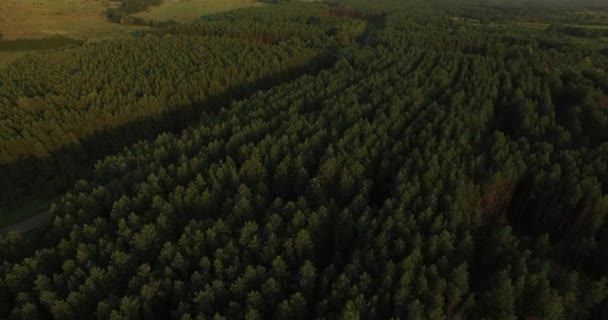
188 10
35 19
81 19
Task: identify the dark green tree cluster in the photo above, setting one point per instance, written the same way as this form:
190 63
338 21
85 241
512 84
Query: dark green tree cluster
429 174
60 110
52 42
274 1
578 31
130 6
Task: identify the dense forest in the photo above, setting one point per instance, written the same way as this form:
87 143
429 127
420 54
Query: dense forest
67 108
435 166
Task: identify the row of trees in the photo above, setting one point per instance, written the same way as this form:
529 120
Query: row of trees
128 7
579 31
52 42
313 23
428 175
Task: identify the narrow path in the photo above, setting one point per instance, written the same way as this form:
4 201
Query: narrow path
374 26
28 224
369 33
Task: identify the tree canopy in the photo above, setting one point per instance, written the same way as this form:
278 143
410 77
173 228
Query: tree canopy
438 168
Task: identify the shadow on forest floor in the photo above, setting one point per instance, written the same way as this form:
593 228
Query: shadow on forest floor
53 175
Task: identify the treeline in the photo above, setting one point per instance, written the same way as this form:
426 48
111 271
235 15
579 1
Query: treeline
596 32
312 23
129 7
53 42
61 111
432 174
274 1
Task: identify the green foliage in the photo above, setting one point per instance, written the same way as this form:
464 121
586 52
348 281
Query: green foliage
53 42
130 6
442 168
60 112
274 1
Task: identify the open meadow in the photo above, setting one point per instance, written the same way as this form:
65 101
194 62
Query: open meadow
81 19
87 19
38 19
188 10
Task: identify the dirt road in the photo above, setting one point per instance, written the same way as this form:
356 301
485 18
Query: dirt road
28 224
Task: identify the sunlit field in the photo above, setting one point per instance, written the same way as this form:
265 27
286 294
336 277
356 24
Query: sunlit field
188 10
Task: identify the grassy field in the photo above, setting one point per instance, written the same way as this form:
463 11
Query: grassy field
188 10
80 19
86 19
37 19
